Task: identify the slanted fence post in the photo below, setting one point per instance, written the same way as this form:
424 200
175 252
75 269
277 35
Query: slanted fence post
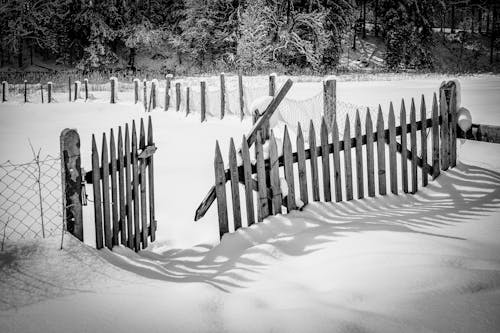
240 91
71 177
25 91
49 92
222 95
330 102
4 91
203 101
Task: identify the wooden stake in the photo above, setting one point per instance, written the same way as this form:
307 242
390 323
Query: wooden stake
330 102
222 95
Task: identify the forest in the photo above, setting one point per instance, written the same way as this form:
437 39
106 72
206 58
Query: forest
192 36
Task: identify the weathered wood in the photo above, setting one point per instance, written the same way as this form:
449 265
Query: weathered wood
71 176
128 191
235 186
423 141
370 157
392 151
145 94
272 85
112 91
69 89
222 95
453 112
330 102
381 153
220 190
240 94
121 189
135 190
25 91
147 152
151 184
263 206
177 96
444 131
136 91
108 236
325 162
143 185
348 159
275 175
168 80
301 163
152 96
359 157
86 84
114 188
203 103
337 175
435 139
413 143
41 91
187 101
404 144
314 162
49 92
288 160
75 97
96 185
247 171
4 91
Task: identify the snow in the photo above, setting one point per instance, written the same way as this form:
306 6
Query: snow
406 263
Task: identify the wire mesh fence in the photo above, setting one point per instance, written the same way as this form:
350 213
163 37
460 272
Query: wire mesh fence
30 199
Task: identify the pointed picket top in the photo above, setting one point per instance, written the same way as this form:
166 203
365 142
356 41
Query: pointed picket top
324 127
299 132
380 120
150 131
94 145
218 155
134 134
312 133
347 130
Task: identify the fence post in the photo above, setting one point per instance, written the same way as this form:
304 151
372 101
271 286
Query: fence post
86 81
71 182
4 91
75 96
145 91
41 91
272 84
330 102
49 92
167 91
136 90
222 95
187 101
69 88
25 91
240 91
177 96
203 101
112 91
153 94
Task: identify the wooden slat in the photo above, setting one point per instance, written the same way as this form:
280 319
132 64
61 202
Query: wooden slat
435 139
337 173
240 94
263 207
203 102
121 189
301 164
325 161
151 184
220 190
114 188
423 141
413 143
359 157
444 132
222 95
370 160
145 93
392 151
348 159
96 185
135 190
275 175
128 190
105 194
453 126
177 96
143 188
167 92
381 153
404 144
247 172
314 162
288 159
187 101
235 186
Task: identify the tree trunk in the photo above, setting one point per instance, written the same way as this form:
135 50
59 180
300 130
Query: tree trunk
364 18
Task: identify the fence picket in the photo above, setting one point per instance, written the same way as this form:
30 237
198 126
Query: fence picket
240 94
220 190
392 151
370 161
445 131
247 173
114 188
203 101
413 143
135 190
381 153
435 139
301 163
423 141
187 101
105 194
121 188
263 207
128 190
288 166
142 166
222 95
404 146
96 185
314 162
151 184
359 156
167 91
325 160
453 126
337 175
275 175
348 159
235 186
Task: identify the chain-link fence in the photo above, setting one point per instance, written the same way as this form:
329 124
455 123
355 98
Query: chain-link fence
30 199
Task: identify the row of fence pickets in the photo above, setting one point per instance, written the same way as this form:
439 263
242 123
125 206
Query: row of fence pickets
123 188
267 171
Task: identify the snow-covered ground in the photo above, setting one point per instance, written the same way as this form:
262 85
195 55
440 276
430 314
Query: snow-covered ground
407 263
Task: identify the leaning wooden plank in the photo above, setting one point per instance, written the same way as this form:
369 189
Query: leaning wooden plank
96 185
301 163
381 153
247 171
135 190
404 155
220 190
288 159
235 186
413 143
143 185
261 179
445 132
128 190
348 159
314 162
325 161
151 184
121 189
423 141
392 151
359 157
275 175
108 236
337 175
435 139
370 160
114 188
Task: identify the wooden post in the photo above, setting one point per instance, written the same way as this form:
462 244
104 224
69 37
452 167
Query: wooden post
71 177
177 96
272 85
167 91
222 95
4 91
75 96
325 161
435 138
370 161
112 91
220 190
329 102
247 175
203 101
25 91
444 130
69 88
145 94
49 92
136 91
423 141
153 94
337 175
347 159
263 207
314 162
41 91
413 143
288 168
359 156
404 145
235 186
453 112
392 151
96 185
382 179
86 83
301 163
240 91
187 101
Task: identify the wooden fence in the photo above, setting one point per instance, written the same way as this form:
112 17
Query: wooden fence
265 176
